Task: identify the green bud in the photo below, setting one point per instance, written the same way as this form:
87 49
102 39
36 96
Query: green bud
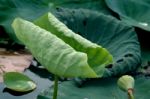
126 83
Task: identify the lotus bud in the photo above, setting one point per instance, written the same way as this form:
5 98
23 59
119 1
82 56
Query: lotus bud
126 83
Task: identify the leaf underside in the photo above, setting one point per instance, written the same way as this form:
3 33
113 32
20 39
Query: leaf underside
59 57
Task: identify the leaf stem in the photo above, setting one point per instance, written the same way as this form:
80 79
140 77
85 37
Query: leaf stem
130 94
55 87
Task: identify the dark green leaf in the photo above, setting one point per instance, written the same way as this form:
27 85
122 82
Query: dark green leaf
133 12
98 5
120 39
99 89
31 9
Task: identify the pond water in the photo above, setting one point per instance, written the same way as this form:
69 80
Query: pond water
38 77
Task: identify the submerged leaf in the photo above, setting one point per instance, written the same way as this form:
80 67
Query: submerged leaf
133 12
18 82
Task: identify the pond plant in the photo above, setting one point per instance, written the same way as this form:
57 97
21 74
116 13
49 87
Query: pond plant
65 53
61 51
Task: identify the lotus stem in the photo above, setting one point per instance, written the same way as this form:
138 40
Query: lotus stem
55 87
130 94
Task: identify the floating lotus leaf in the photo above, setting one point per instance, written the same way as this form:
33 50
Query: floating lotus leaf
18 82
31 9
99 89
133 12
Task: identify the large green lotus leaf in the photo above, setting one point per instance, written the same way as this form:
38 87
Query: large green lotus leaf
18 82
98 57
133 12
120 40
58 56
98 89
31 9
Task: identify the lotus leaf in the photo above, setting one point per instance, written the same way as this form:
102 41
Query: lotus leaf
133 12
99 89
18 82
120 39
31 9
59 57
